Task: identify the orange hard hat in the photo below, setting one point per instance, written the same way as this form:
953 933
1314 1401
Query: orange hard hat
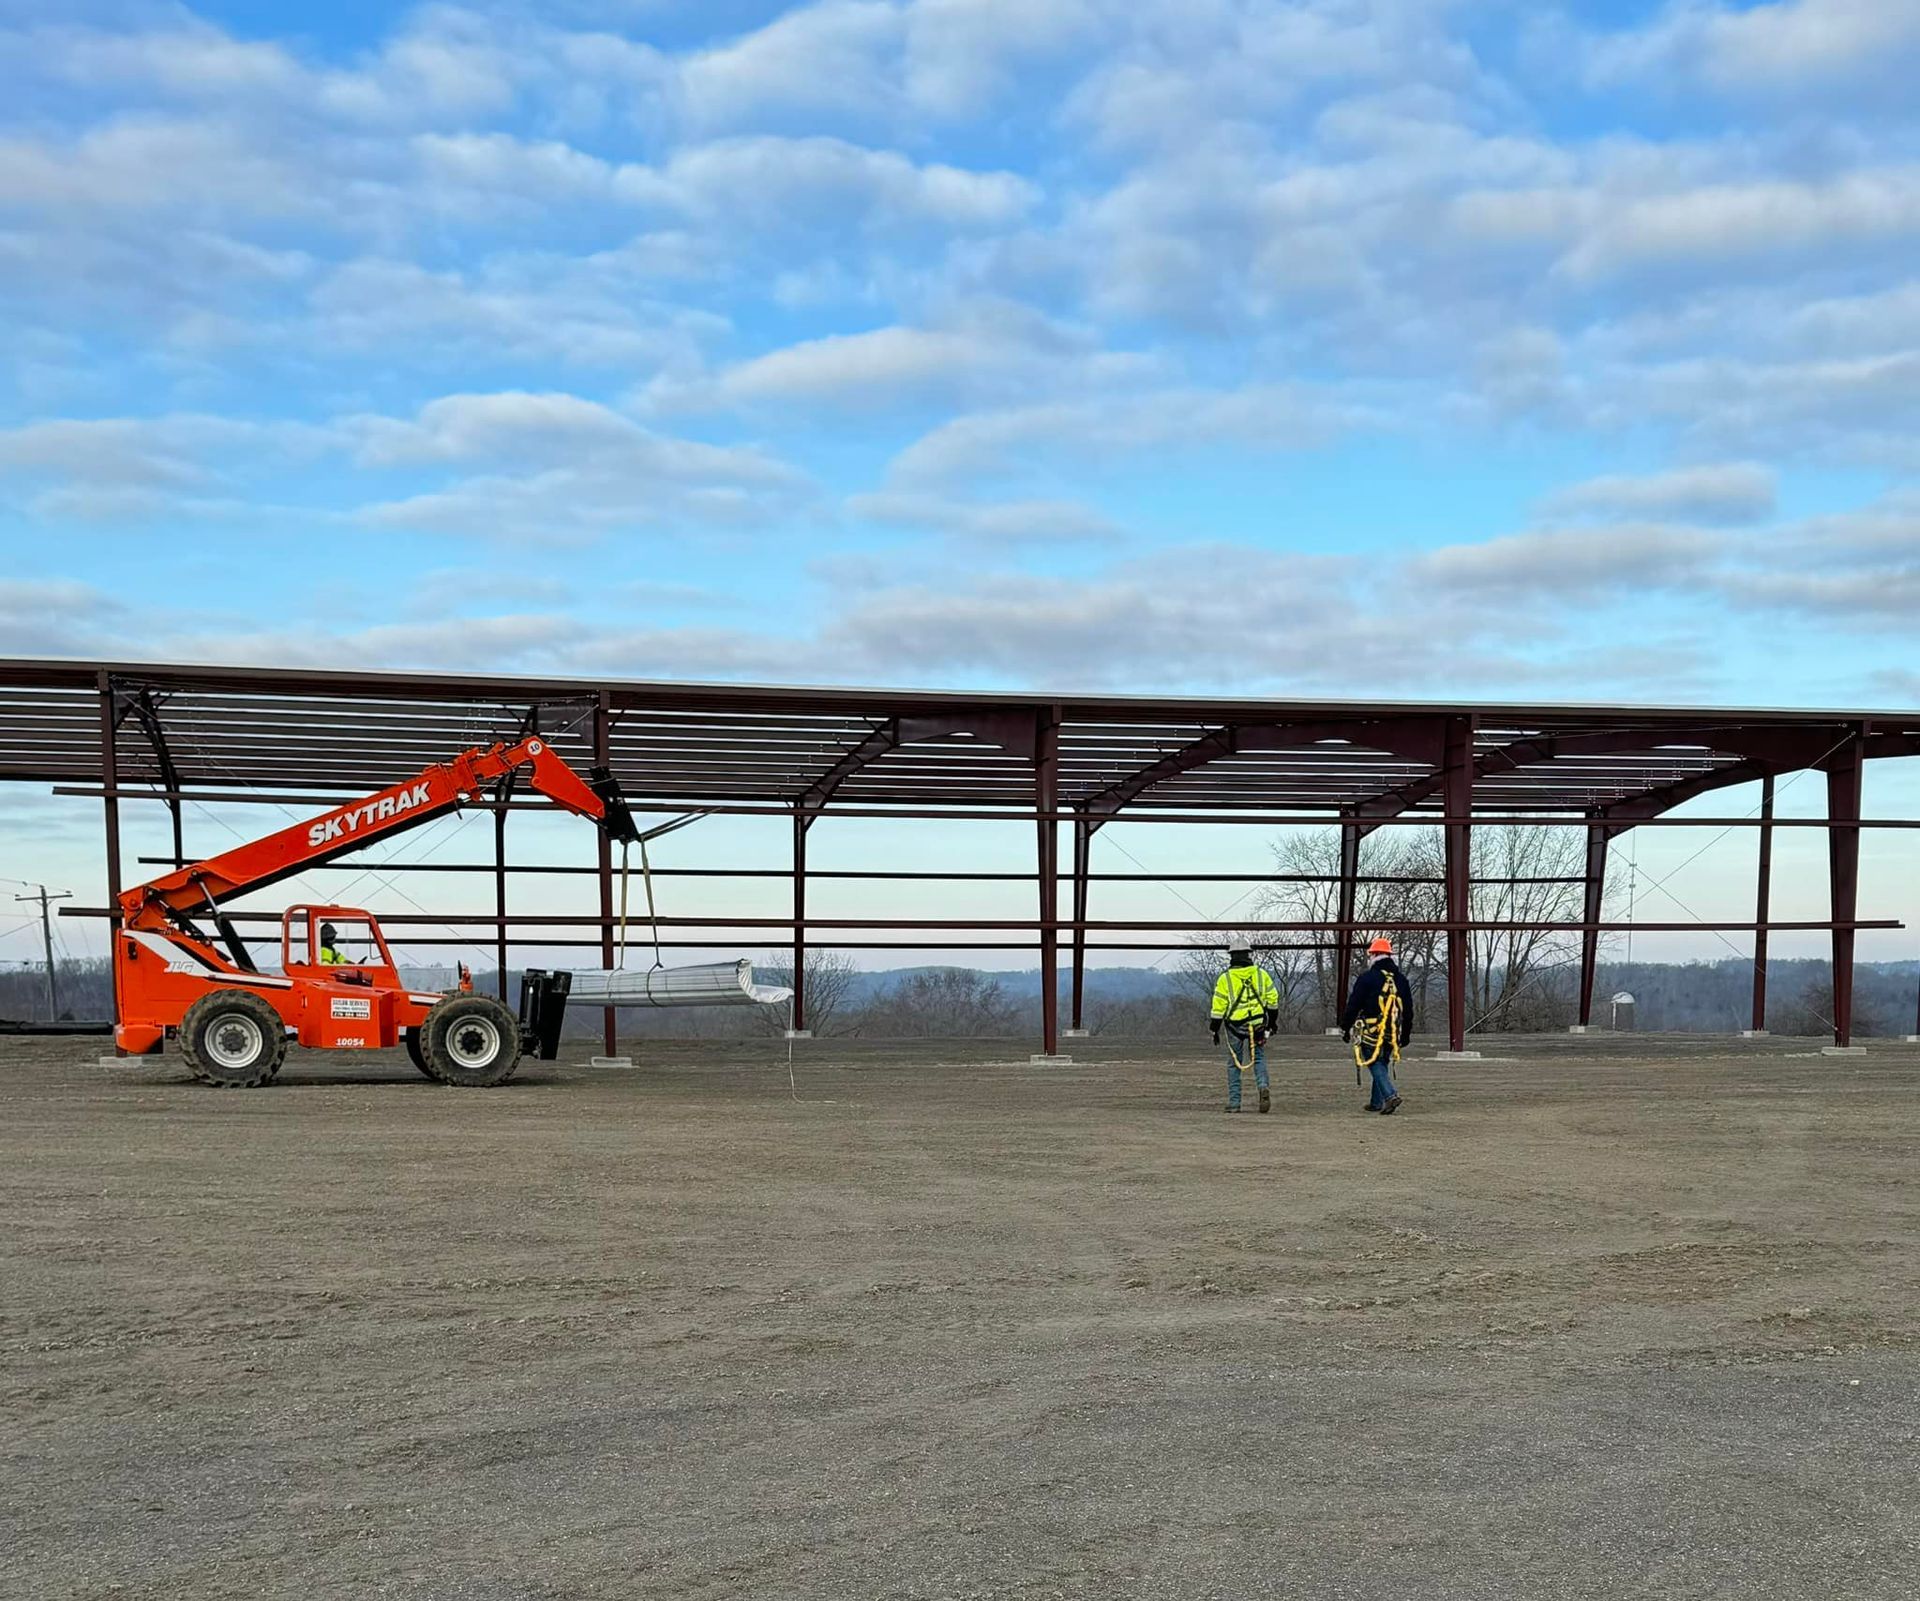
1381 947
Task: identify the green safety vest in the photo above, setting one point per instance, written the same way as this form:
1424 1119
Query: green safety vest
1242 994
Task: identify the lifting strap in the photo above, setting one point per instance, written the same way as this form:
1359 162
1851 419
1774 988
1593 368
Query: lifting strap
646 875
623 902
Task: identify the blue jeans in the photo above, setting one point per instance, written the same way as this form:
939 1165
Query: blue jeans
1236 1043
1383 1090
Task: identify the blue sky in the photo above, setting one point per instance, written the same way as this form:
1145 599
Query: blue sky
1413 347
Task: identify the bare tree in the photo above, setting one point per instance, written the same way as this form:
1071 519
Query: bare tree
1515 979
1811 1012
830 976
1399 884
943 1003
1526 877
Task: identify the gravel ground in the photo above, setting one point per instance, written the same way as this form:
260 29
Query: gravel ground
1604 1318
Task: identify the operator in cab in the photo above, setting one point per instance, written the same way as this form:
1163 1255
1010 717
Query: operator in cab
331 955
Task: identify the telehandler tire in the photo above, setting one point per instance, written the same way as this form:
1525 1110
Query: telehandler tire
472 1041
232 1039
417 1052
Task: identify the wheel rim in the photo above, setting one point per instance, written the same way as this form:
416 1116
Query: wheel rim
235 1040
473 1042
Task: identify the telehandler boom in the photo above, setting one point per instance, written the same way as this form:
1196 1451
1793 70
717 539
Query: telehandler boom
338 987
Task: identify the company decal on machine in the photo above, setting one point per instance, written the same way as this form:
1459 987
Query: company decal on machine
355 818
348 1006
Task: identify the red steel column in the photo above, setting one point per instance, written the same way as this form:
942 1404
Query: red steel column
1596 895
500 886
797 1017
1349 897
1047 801
1763 906
1845 773
603 757
1082 856
1459 802
110 782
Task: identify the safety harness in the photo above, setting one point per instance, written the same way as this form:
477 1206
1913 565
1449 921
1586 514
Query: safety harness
1243 989
1381 1032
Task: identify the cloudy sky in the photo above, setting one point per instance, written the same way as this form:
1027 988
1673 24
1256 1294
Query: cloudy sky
1466 347
1426 347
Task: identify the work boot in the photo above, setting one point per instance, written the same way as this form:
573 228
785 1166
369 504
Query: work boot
1233 1106
1393 1104
1266 1101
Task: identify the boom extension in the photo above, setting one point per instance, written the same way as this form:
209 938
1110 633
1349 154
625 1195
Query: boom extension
441 788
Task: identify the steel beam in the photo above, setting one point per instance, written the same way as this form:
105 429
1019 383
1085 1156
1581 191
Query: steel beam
797 1019
1457 768
1046 783
1845 771
110 782
1594 897
1414 738
1012 732
603 757
1763 905
1082 852
1349 894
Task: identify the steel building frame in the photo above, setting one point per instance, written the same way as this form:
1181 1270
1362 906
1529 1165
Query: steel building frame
118 731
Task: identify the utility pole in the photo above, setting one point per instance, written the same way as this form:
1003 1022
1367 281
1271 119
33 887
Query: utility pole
46 899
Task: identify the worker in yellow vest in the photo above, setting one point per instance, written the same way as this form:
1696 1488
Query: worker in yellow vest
1377 1012
1246 1005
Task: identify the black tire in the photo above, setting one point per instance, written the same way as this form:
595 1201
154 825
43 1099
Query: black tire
417 1053
232 1039
471 1041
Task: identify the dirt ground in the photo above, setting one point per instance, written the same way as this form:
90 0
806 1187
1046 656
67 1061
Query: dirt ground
1605 1318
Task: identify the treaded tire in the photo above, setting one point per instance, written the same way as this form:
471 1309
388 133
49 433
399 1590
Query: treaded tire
417 1053
232 1039
472 1041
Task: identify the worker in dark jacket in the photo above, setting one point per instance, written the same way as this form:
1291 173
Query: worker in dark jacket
1378 1014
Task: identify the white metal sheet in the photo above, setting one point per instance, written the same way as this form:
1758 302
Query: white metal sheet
708 984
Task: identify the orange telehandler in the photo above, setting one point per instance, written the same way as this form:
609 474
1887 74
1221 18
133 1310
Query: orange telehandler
337 987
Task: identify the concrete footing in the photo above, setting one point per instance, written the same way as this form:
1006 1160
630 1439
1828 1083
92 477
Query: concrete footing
1576 1028
1913 1039
1073 1034
1843 1050
108 1061
1331 1033
799 1034
611 1061
1456 1056
1041 1059
1753 1033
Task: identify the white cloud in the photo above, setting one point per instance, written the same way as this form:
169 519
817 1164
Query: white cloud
880 365
1570 564
556 467
819 58
1719 222
536 311
809 183
1791 48
1729 492
515 426
989 523
1264 418
979 353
